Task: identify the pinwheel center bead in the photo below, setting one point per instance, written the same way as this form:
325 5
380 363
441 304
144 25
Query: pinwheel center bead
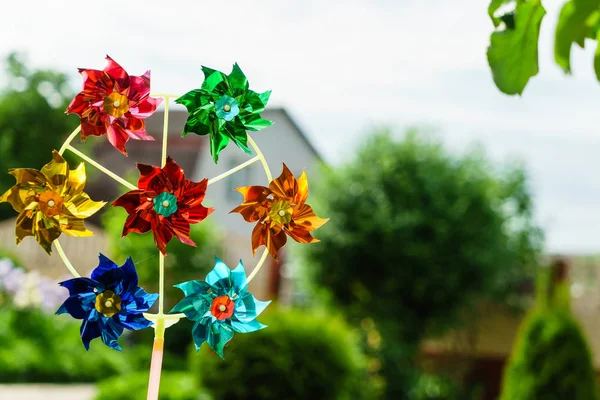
222 307
227 108
50 203
108 303
165 204
116 104
281 212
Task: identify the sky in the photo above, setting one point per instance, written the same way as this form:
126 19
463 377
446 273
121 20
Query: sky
344 67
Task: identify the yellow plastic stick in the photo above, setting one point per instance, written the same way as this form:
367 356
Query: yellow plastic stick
159 318
155 368
165 133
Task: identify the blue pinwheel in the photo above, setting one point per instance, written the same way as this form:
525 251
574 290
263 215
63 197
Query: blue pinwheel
108 302
220 306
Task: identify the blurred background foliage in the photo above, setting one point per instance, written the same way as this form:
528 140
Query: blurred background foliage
37 347
418 237
550 359
32 119
303 354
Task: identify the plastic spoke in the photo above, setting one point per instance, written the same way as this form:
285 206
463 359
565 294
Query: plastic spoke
101 168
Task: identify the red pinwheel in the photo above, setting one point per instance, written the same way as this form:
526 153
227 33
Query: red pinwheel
115 104
165 203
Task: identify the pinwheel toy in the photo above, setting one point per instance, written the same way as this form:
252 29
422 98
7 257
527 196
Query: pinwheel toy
52 201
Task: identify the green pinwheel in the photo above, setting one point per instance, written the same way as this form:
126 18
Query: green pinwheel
224 108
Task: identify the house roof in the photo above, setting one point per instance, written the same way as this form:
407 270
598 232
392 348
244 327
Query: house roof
297 127
177 120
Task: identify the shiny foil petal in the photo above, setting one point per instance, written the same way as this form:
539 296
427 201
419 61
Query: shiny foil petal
279 210
108 302
224 108
165 222
50 202
220 306
114 104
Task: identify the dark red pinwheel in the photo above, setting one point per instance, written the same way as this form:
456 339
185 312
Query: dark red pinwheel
166 203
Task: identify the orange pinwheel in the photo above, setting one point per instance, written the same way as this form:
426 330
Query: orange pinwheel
279 210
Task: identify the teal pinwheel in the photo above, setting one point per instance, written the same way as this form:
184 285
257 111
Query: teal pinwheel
220 306
224 108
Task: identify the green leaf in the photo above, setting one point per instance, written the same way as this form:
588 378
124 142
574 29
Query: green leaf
495 6
597 57
576 22
513 52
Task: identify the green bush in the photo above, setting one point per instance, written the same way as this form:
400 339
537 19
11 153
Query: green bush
36 347
173 386
550 360
301 355
32 121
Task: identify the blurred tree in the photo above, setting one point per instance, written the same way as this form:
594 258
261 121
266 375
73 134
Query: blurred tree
551 359
416 236
32 119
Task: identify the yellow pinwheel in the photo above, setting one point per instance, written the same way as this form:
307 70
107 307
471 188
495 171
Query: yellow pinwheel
50 202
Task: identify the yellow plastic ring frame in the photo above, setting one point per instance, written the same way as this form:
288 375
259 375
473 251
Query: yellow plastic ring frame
160 320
